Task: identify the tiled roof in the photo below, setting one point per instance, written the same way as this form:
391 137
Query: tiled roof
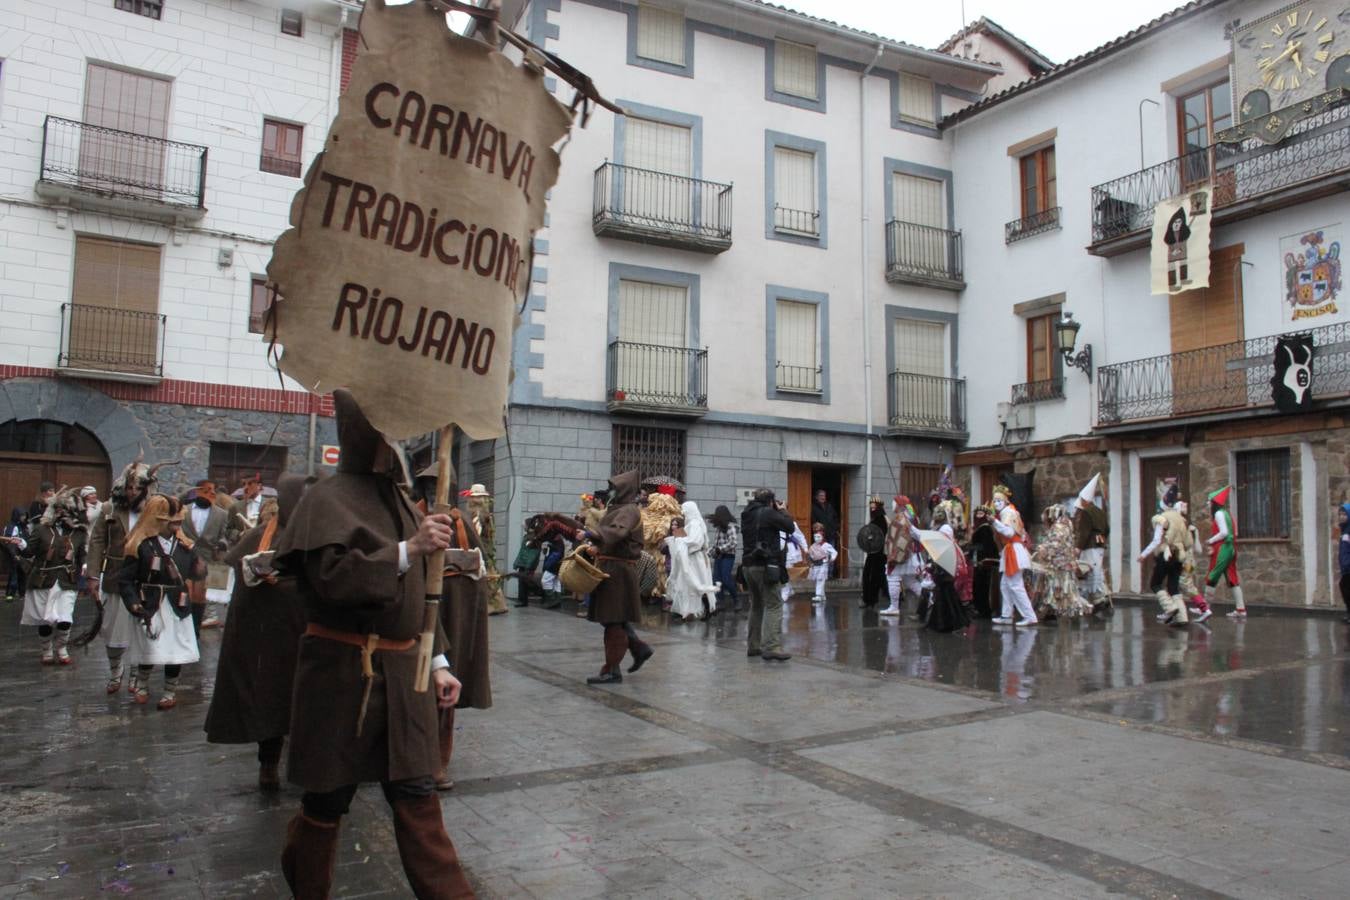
986 24
1181 13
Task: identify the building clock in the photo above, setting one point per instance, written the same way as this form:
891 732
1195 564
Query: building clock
1286 62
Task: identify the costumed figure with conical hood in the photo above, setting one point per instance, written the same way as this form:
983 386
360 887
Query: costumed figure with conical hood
256 670
904 563
1057 557
107 536
56 548
1090 531
617 543
1223 551
360 551
156 566
1168 549
1011 535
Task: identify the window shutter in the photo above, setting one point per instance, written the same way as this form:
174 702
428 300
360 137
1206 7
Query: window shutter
660 34
916 98
794 69
797 348
794 191
653 313
922 201
658 146
920 347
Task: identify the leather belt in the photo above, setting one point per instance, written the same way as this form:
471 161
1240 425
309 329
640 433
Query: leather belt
369 645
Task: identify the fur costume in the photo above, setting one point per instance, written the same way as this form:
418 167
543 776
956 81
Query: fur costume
656 516
1057 558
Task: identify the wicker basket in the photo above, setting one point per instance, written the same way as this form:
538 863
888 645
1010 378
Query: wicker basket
578 574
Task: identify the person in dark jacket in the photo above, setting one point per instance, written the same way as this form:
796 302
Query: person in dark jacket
617 543
1344 544
14 536
983 555
763 567
874 564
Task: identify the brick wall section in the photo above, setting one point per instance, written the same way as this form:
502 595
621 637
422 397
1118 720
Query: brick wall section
196 393
350 42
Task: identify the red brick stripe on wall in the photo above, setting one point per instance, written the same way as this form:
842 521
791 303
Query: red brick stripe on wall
350 39
196 393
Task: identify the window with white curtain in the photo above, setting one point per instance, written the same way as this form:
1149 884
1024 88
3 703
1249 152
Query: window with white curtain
796 206
797 346
916 99
920 201
660 34
660 150
653 323
794 69
920 347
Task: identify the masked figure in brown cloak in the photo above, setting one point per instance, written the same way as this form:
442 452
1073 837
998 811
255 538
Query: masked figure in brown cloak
252 700
614 602
358 548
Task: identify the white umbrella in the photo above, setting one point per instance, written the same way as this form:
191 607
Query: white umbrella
941 549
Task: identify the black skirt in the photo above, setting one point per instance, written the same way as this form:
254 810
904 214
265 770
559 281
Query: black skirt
947 612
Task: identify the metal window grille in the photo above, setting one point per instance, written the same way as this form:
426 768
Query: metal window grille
1263 493
652 451
292 22
151 9
485 470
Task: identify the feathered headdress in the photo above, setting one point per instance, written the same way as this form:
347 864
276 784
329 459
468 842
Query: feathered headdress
1002 490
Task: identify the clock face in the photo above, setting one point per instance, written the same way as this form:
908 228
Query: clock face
1290 55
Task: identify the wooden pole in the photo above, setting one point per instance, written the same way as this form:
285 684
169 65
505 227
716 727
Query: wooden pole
436 564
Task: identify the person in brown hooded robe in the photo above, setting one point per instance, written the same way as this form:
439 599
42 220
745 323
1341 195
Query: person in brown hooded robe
358 547
614 602
252 699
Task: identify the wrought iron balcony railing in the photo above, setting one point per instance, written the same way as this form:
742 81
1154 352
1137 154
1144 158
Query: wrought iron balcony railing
804 222
1036 223
798 379
1220 379
923 254
98 160
103 339
653 378
926 403
1316 147
1036 391
659 208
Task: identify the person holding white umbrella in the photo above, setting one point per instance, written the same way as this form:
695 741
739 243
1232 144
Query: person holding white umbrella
946 612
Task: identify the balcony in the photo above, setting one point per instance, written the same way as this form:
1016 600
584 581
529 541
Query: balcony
926 406
1214 383
1029 226
1037 391
666 210
1249 178
656 380
922 254
92 167
111 344
799 379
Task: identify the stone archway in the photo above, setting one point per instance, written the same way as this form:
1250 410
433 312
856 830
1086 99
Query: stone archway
73 403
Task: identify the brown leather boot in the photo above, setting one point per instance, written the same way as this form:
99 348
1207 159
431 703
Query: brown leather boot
428 856
309 857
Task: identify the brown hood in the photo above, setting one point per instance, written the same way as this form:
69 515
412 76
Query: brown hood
290 488
356 436
623 488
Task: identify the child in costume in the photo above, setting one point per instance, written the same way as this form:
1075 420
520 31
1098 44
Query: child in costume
1223 551
822 555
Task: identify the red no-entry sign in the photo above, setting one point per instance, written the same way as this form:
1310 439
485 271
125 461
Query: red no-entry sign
329 455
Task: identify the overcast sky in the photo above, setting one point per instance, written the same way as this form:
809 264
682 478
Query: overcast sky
1057 28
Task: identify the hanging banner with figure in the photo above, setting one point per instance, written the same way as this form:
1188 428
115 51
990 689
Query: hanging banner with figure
1292 386
1179 255
410 242
1312 274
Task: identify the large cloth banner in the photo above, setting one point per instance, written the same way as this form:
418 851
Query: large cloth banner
410 241
1179 250
1311 261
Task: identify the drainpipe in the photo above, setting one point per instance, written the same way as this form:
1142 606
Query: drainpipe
313 427
865 271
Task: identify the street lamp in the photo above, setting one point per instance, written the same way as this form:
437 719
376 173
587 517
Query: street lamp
1066 333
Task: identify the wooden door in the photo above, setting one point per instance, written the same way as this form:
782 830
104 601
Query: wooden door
799 495
917 481
1207 333
1156 475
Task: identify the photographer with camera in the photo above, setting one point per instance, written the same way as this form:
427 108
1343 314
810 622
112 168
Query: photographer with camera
763 570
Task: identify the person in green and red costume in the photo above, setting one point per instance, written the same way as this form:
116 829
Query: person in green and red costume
1223 551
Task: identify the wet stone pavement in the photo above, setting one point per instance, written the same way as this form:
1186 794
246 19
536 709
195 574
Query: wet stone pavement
1107 757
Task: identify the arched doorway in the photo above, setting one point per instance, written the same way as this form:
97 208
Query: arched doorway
37 450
